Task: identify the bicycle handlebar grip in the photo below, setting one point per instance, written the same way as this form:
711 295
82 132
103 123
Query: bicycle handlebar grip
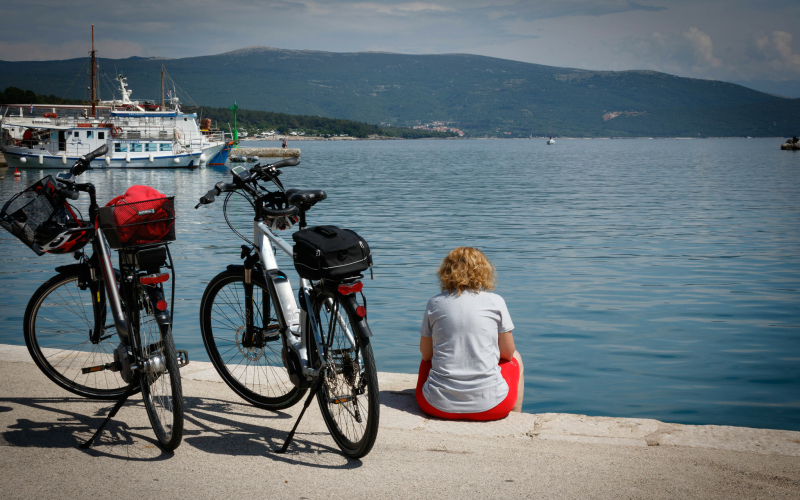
72 195
288 162
102 150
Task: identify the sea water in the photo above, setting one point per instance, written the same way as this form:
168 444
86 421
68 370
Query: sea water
645 278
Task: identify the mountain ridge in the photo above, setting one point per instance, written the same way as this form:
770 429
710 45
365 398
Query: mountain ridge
481 95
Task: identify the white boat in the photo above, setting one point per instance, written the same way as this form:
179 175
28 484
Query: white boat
138 135
551 141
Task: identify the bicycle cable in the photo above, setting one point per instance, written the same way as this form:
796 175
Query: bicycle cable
225 213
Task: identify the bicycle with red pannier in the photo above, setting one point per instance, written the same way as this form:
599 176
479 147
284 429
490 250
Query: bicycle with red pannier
94 330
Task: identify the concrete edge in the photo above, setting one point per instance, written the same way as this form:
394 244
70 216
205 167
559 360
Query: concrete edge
399 411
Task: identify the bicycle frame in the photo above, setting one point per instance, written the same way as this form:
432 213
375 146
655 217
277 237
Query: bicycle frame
292 319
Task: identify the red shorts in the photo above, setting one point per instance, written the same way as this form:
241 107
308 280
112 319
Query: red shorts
510 372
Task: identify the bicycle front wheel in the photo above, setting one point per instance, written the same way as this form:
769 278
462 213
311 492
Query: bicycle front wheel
255 372
348 398
57 327
160 379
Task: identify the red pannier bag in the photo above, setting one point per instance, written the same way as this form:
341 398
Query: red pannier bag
142 215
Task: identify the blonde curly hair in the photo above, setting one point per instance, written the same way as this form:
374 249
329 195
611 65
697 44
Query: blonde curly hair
466 268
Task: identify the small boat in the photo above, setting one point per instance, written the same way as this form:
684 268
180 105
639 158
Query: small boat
551 141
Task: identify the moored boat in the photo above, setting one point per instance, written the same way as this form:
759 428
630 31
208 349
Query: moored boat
138 135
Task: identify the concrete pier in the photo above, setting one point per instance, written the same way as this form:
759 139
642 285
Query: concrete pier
267 152
227 450
3 163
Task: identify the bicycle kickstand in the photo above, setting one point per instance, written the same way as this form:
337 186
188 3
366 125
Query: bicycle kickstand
289 438
111 414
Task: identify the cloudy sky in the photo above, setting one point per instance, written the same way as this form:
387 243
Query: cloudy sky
733 40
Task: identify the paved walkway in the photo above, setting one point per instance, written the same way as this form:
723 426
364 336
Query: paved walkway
227 451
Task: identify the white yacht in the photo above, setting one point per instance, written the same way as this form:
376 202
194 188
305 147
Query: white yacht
138 135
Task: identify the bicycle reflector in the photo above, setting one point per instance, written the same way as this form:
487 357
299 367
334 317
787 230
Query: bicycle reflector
361 311
154 279
161 305
351 288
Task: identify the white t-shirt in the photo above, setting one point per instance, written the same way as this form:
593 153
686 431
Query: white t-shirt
465 376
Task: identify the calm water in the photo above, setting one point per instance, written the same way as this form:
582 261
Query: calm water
646 278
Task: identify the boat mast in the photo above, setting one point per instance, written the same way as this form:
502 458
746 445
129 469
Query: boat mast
162 87
94 76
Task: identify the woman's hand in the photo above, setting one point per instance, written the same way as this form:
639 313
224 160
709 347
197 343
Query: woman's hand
426 348
506 342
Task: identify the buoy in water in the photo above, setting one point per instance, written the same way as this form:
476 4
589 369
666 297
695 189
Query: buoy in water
16 172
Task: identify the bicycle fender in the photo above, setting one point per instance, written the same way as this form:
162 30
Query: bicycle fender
163 318
69 268
350 304
82 270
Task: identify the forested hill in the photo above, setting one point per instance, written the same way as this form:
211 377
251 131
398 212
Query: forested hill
479 95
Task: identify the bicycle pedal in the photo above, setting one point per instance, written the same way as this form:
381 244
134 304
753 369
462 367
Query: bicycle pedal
183 357
113 367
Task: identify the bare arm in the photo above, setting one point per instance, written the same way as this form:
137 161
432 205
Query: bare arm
426 348
506 342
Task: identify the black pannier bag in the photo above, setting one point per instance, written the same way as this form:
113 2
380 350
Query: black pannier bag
329 252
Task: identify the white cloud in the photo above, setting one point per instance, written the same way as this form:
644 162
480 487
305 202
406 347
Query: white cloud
703 47
783 42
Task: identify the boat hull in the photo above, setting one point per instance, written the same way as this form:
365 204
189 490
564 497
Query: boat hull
35 161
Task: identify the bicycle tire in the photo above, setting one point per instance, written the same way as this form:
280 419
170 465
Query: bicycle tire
349 379
56 329
161 388
256 374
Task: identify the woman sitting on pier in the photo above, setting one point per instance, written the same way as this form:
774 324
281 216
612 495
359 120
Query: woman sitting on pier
470 368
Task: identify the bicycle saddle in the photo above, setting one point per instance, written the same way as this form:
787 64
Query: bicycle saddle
304 199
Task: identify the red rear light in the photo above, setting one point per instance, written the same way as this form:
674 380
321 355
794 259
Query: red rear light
361 311
351 288
161 305
154 279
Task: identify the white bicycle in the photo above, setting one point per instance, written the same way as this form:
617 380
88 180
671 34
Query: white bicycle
269 349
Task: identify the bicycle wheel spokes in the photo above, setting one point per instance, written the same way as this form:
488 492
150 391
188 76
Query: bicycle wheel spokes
58 324
160 380
255 370
348 398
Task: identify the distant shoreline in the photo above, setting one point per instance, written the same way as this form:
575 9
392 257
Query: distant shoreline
384 138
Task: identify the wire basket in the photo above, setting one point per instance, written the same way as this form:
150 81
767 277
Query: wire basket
27 210
138 223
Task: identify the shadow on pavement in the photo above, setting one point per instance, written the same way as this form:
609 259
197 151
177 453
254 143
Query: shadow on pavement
70 429
214 426
221 434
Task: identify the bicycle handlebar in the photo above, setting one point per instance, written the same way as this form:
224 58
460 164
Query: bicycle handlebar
84 162
218 189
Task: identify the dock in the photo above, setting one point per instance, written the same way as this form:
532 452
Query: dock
228 450
267 152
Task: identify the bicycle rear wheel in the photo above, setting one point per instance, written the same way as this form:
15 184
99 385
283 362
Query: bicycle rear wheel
57 326
160 379
256 373
348 398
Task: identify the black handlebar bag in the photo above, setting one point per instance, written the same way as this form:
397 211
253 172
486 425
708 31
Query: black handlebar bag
331 253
